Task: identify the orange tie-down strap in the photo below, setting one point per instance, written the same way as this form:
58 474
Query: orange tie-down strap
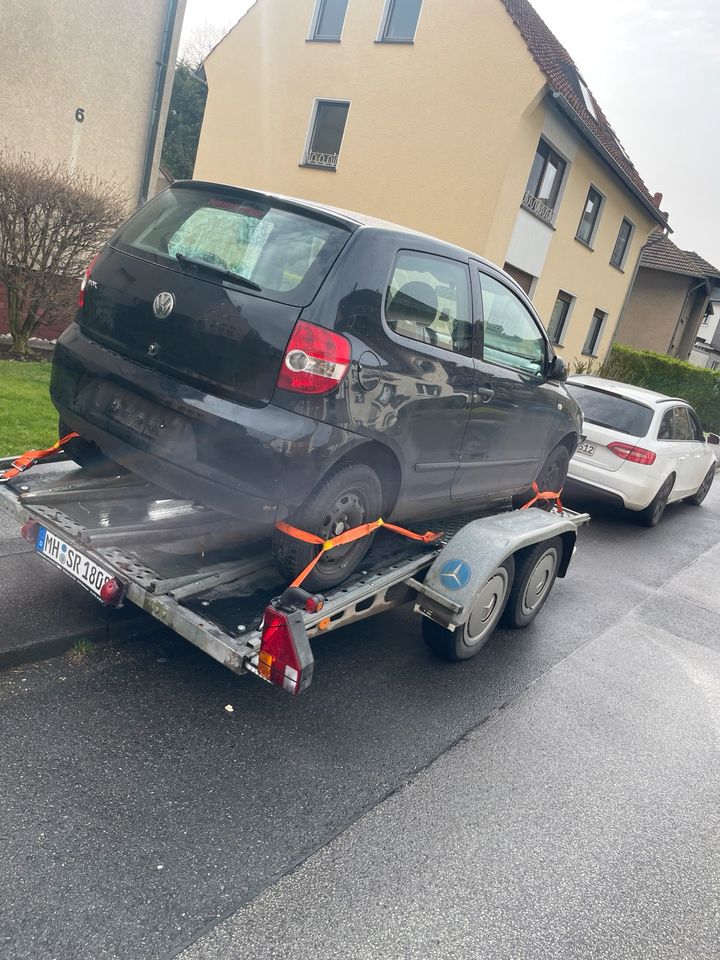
31 457
348 536
545 495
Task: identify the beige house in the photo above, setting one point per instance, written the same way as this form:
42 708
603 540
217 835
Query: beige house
467 120
669 299
88 83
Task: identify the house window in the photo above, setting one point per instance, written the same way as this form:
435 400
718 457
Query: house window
589 220
593 338
587 98
559 316
400 20
328 20
715 365
622 243
327 126
544 183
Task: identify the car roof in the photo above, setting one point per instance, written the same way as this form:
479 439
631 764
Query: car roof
354 220
627 390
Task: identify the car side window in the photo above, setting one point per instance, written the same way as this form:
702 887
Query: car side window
665 430
682 429
428 299
698 432
511 335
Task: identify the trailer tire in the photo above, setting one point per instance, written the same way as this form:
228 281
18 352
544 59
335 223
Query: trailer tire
536 570
88 456
348 496
471 637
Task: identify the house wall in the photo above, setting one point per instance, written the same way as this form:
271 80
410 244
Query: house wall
652 310
95 55
441 135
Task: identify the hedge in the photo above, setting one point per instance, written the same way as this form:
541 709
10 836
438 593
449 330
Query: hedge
676 378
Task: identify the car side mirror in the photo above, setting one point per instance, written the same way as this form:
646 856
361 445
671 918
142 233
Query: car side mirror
713 438
557 369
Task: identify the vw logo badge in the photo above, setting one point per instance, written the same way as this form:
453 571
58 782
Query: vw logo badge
163 305
455 574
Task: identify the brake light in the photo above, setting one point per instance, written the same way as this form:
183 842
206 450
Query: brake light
627 451
315 361
29 530
111 592
84 281
285 657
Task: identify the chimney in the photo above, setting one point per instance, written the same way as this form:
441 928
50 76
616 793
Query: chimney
657 199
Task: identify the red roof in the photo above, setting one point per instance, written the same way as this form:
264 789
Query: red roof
660 253
564 78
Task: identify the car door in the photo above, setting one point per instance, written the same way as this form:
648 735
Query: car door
675 448
429 377
701 455
514 408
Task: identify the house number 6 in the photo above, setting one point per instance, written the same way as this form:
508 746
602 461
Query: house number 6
79 114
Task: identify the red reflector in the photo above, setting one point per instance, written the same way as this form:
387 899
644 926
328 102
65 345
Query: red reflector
84 282
285 658
111 592
315 361
29 531
627 451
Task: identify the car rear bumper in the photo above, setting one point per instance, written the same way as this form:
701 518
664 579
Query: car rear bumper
630 486
258 464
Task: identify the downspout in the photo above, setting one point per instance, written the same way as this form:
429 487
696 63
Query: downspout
160 77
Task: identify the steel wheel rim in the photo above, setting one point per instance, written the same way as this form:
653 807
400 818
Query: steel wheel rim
488 607
540 581
347 512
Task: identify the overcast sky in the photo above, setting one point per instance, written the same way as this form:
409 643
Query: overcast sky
654 68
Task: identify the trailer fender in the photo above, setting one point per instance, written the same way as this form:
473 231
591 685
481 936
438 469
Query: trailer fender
464 566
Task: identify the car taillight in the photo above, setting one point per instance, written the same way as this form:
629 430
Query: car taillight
84 282
315 361
627 451
285 657
29 530
112 592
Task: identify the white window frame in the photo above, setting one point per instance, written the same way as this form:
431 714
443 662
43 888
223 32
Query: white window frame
385 19
600 333
314 23
590 242
311 128
621 265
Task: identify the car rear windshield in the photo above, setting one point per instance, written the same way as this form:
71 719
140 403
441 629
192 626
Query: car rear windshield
609 410
286 252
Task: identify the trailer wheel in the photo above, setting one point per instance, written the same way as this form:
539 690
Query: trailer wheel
536 569
472 636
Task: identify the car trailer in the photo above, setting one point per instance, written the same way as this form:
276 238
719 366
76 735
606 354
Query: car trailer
195 570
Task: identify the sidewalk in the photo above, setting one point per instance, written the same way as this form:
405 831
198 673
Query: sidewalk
580 822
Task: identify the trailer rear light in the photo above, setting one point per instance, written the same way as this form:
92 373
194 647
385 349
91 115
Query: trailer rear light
84 282
29 530
285 657
111 592
628 451
316 360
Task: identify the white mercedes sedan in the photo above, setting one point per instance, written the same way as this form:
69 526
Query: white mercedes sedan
640 449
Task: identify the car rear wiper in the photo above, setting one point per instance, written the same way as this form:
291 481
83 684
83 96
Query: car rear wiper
218 271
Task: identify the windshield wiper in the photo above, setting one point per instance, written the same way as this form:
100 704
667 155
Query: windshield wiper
218 271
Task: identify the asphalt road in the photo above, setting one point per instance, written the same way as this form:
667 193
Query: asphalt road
137 812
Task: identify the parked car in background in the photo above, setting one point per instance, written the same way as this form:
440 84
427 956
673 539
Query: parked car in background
278 359
640 449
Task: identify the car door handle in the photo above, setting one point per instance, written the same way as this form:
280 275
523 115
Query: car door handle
486 393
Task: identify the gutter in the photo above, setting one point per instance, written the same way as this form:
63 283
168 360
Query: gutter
570 114
160 77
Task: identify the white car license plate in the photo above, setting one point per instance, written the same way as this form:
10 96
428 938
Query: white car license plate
69 559
587 448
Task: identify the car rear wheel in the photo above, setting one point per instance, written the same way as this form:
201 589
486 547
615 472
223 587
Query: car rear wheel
651 515
87 455
471 637
349 496
702 491
551 478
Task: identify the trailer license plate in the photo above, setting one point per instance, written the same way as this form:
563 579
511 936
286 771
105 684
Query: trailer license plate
85 571
587 448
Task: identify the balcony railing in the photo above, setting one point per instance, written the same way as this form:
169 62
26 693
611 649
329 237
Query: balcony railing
314 159
537 207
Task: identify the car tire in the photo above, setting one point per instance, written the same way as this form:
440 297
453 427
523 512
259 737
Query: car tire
88 456
536 569
652 514
702 491
348 496
551 478
469 639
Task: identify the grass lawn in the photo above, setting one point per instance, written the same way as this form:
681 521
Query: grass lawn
27 417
